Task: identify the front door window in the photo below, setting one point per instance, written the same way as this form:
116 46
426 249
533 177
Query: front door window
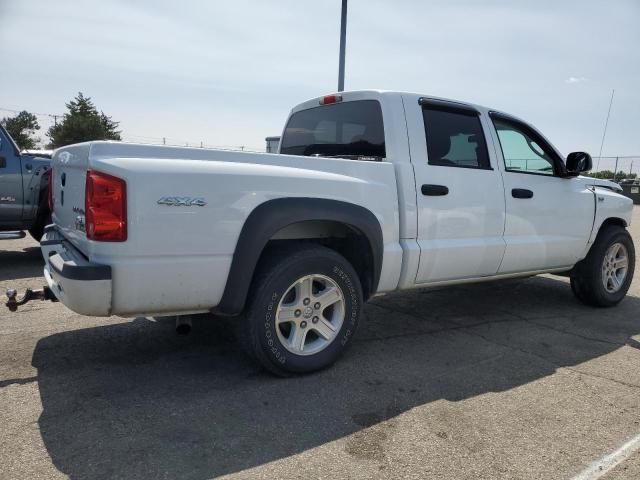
523 150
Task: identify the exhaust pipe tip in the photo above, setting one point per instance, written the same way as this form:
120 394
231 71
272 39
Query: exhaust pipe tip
183 325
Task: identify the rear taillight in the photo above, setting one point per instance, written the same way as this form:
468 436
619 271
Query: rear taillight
105 206
50 190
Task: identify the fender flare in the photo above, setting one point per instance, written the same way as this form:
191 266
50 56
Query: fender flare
39 190
273 215
43 193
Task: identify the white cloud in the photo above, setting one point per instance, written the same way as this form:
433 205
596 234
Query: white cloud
575 80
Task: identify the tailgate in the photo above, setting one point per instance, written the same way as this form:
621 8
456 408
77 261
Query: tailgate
69 166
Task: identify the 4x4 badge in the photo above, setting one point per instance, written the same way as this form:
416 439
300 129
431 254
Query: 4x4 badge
182 201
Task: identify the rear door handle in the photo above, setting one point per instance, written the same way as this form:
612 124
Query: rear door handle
521 193
434 190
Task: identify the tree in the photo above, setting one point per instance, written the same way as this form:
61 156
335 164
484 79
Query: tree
82 123
609 175
22 129
605 174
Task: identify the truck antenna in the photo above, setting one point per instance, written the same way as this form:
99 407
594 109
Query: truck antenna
604 133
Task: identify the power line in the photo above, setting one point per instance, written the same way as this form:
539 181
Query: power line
149 140
35 113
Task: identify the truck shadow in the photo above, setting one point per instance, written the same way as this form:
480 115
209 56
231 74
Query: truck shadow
17 264
134 400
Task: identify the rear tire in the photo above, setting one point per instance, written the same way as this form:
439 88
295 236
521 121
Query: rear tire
603 278
305 304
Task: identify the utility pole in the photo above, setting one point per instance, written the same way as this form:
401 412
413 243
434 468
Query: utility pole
615 170
343 41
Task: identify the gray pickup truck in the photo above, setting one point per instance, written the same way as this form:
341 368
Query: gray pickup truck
24 183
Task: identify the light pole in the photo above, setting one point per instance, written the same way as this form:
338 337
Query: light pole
343 40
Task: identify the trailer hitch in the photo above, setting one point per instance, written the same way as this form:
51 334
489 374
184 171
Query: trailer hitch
43 293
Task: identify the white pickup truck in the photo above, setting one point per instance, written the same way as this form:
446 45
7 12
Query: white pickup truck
371 192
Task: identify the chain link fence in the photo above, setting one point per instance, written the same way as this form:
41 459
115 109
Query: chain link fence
177 142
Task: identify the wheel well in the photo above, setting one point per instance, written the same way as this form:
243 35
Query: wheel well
345 239
609 222
349 229
42 198
613 221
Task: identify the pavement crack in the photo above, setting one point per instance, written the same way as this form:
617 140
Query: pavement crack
514 348
17 381
452 325
468 329
568 332
602 377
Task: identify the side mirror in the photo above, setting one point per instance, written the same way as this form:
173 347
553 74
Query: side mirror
578 162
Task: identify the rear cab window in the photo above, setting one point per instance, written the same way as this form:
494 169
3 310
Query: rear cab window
454 136
352 130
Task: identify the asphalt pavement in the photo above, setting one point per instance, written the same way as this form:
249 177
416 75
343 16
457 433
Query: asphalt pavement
505 380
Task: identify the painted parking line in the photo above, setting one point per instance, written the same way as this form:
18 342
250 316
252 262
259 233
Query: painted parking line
607 463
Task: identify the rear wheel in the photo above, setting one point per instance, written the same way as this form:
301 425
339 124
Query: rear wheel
304 310
603 278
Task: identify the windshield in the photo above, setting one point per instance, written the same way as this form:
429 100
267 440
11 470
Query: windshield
350 129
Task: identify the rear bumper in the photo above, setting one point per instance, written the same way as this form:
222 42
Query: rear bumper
81 285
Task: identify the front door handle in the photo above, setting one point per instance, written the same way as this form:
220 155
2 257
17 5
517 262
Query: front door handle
434 190
521 193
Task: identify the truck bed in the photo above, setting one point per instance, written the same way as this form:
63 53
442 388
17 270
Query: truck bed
177 257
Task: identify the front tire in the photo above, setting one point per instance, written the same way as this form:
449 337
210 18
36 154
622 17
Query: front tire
603 278
305 305
37 230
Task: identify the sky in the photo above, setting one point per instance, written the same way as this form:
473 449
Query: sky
227 73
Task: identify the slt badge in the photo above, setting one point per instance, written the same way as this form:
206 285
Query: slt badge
182 201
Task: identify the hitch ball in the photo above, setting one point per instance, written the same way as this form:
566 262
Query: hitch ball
11 302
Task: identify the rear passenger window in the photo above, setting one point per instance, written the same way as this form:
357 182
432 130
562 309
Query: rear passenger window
454 137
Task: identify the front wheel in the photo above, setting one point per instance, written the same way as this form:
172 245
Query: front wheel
603 278
304 310
37 230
